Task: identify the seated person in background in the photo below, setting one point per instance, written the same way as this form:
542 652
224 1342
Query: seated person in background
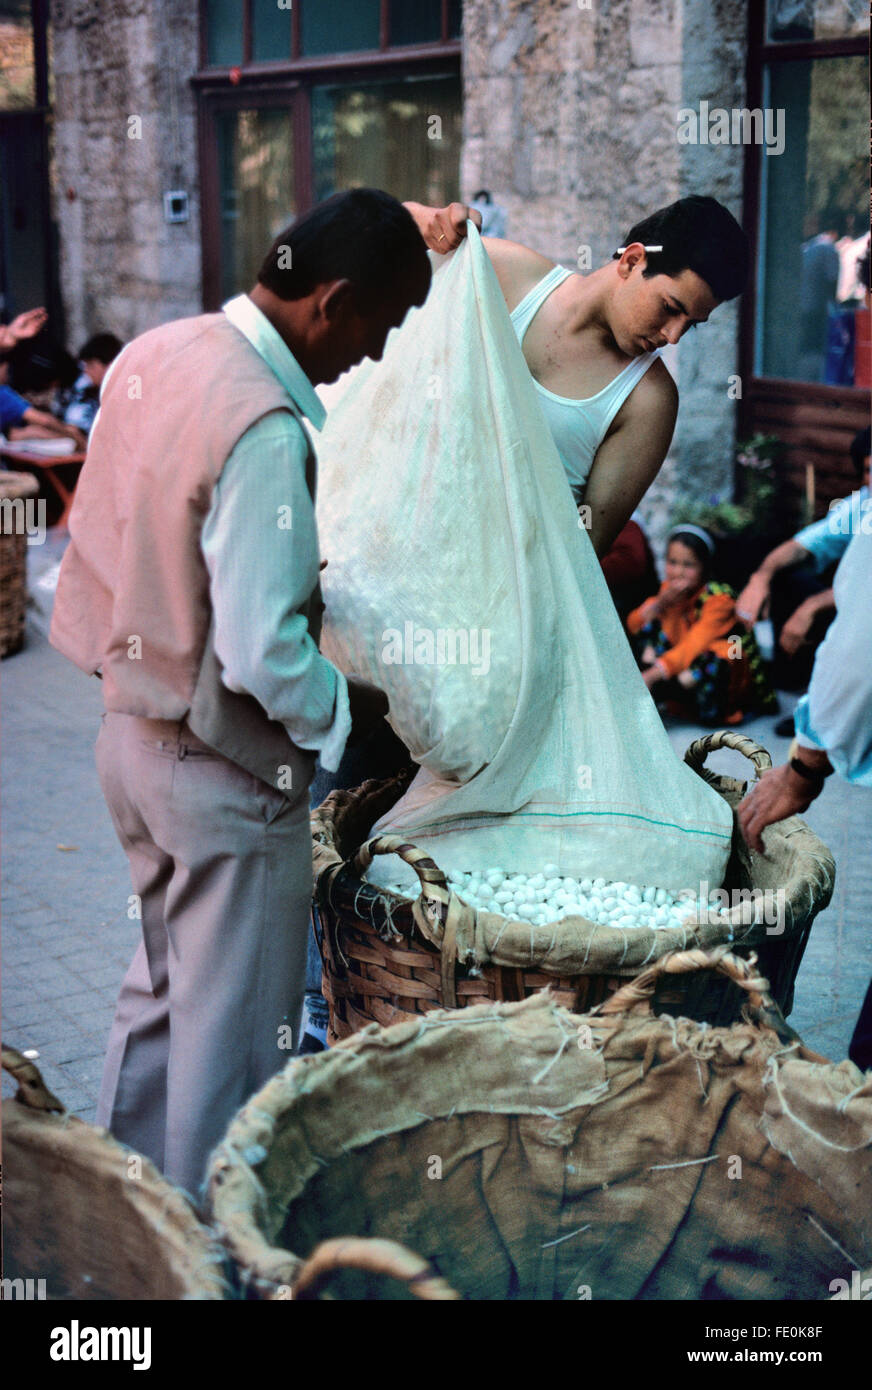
43 372
693 651
21 420
629 568
83 401
795 580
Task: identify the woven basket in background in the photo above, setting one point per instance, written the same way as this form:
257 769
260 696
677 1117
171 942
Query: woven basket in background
13 563
93 1219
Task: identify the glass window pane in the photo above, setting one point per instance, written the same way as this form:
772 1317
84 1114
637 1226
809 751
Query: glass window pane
455 8
257 194
271 24
415 21
17 72
790 21
815 221
338 26
223 33
403 137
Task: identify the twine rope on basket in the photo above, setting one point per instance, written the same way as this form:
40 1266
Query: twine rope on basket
32 1090
373 1256
697 752
637 994
443 918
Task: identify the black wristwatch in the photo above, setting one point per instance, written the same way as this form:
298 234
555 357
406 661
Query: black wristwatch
810 774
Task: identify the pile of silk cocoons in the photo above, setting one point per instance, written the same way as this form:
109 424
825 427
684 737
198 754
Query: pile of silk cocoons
548 896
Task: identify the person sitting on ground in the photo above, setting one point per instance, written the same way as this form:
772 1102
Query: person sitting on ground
795 582
95 357
695 658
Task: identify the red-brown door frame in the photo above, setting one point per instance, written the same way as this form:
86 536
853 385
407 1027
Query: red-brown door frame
849 402
290 95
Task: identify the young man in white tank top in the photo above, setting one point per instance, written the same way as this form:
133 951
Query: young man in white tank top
674 269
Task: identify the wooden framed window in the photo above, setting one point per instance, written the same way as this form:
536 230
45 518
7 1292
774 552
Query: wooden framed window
28 271
298 102
804 350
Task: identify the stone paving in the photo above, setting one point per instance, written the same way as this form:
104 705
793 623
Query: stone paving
66 937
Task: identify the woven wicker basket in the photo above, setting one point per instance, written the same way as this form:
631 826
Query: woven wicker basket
528 1153
13 563
386 959
90 1218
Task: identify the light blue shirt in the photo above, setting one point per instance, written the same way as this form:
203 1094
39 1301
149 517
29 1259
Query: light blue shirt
836 714
827 540
260 544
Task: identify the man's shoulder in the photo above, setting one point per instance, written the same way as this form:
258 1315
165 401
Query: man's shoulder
178 331
655 392
518 268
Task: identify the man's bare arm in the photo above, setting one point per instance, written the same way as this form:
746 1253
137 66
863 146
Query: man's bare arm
517 267
39 424
629 458
755 595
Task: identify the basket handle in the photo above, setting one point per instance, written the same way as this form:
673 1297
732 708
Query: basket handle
699 750
635 996
32 1090
375 1256
433 881
439 913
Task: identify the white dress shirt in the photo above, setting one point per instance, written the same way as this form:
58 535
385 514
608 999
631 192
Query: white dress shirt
262 569
836 714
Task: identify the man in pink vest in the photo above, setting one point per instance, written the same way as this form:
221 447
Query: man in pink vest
190 586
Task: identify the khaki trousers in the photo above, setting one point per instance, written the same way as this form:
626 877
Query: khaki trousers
222 866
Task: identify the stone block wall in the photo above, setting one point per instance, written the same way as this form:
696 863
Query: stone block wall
570 118
123 268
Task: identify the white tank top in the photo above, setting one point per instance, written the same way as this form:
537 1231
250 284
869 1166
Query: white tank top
578 427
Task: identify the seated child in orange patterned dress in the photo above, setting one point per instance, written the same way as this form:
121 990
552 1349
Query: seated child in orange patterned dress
698 655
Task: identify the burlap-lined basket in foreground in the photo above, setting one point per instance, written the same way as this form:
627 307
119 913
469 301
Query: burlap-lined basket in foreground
386 959
15 489
523 1152
90 1218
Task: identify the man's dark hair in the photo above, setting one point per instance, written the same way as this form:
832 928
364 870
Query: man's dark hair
104 347
39 362
363 235
697 234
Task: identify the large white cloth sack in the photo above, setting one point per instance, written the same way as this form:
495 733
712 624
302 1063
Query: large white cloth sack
443 507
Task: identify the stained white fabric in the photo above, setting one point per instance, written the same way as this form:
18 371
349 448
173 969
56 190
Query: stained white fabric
578 427
443 508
